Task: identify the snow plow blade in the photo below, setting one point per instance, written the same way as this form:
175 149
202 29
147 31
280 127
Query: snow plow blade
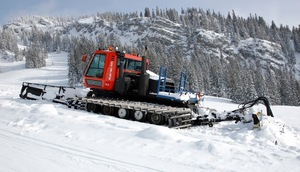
58 94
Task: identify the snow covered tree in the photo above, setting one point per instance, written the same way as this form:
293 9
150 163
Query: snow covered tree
262 28
8 41
147 12
216 77
249 85
35 56
56 42
76 66
65 43
297 92
274 33
259 80
47 41
296 39
286 44
285 88
273 86
19 56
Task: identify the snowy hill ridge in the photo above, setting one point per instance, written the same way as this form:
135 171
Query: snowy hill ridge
161 30
49 24
168 32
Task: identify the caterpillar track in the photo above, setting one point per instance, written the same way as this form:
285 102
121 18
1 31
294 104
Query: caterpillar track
173 117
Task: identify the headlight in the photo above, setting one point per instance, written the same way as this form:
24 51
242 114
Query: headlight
94 82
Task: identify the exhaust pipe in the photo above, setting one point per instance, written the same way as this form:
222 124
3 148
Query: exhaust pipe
122 62
144 78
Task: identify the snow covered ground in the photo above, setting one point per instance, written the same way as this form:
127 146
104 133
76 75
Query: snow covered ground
42 136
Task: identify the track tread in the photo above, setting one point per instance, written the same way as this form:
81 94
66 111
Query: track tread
170 113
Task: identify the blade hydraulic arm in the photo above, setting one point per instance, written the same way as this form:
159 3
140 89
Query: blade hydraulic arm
235 115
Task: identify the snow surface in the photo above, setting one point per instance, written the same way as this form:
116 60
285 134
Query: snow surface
43 136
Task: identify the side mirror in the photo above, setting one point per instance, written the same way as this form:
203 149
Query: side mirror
84 57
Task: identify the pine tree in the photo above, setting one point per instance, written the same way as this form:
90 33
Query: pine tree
259 80
65 43
56 42
147 12
296 40
274 33
35 56
18 56
8 41
297 92
216 77
1 41
76 66
262 30
285 87
273 86
250 91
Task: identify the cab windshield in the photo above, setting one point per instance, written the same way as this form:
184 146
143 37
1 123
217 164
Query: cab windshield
97 66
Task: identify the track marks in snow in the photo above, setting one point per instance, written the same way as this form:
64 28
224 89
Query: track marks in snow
61 155
162 134
29 125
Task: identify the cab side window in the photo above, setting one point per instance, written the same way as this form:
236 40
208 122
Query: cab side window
133 65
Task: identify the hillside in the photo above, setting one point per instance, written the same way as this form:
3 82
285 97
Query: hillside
39 134
228 56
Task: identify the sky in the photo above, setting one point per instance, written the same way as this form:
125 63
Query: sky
286 12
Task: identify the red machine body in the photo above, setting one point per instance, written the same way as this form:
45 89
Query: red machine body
104 68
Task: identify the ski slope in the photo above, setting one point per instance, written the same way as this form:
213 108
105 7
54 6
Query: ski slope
43 136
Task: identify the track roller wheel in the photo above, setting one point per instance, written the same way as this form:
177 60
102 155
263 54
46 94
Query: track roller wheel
175 122
123 113
139 116
156 119
107 110
90 94
90 107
